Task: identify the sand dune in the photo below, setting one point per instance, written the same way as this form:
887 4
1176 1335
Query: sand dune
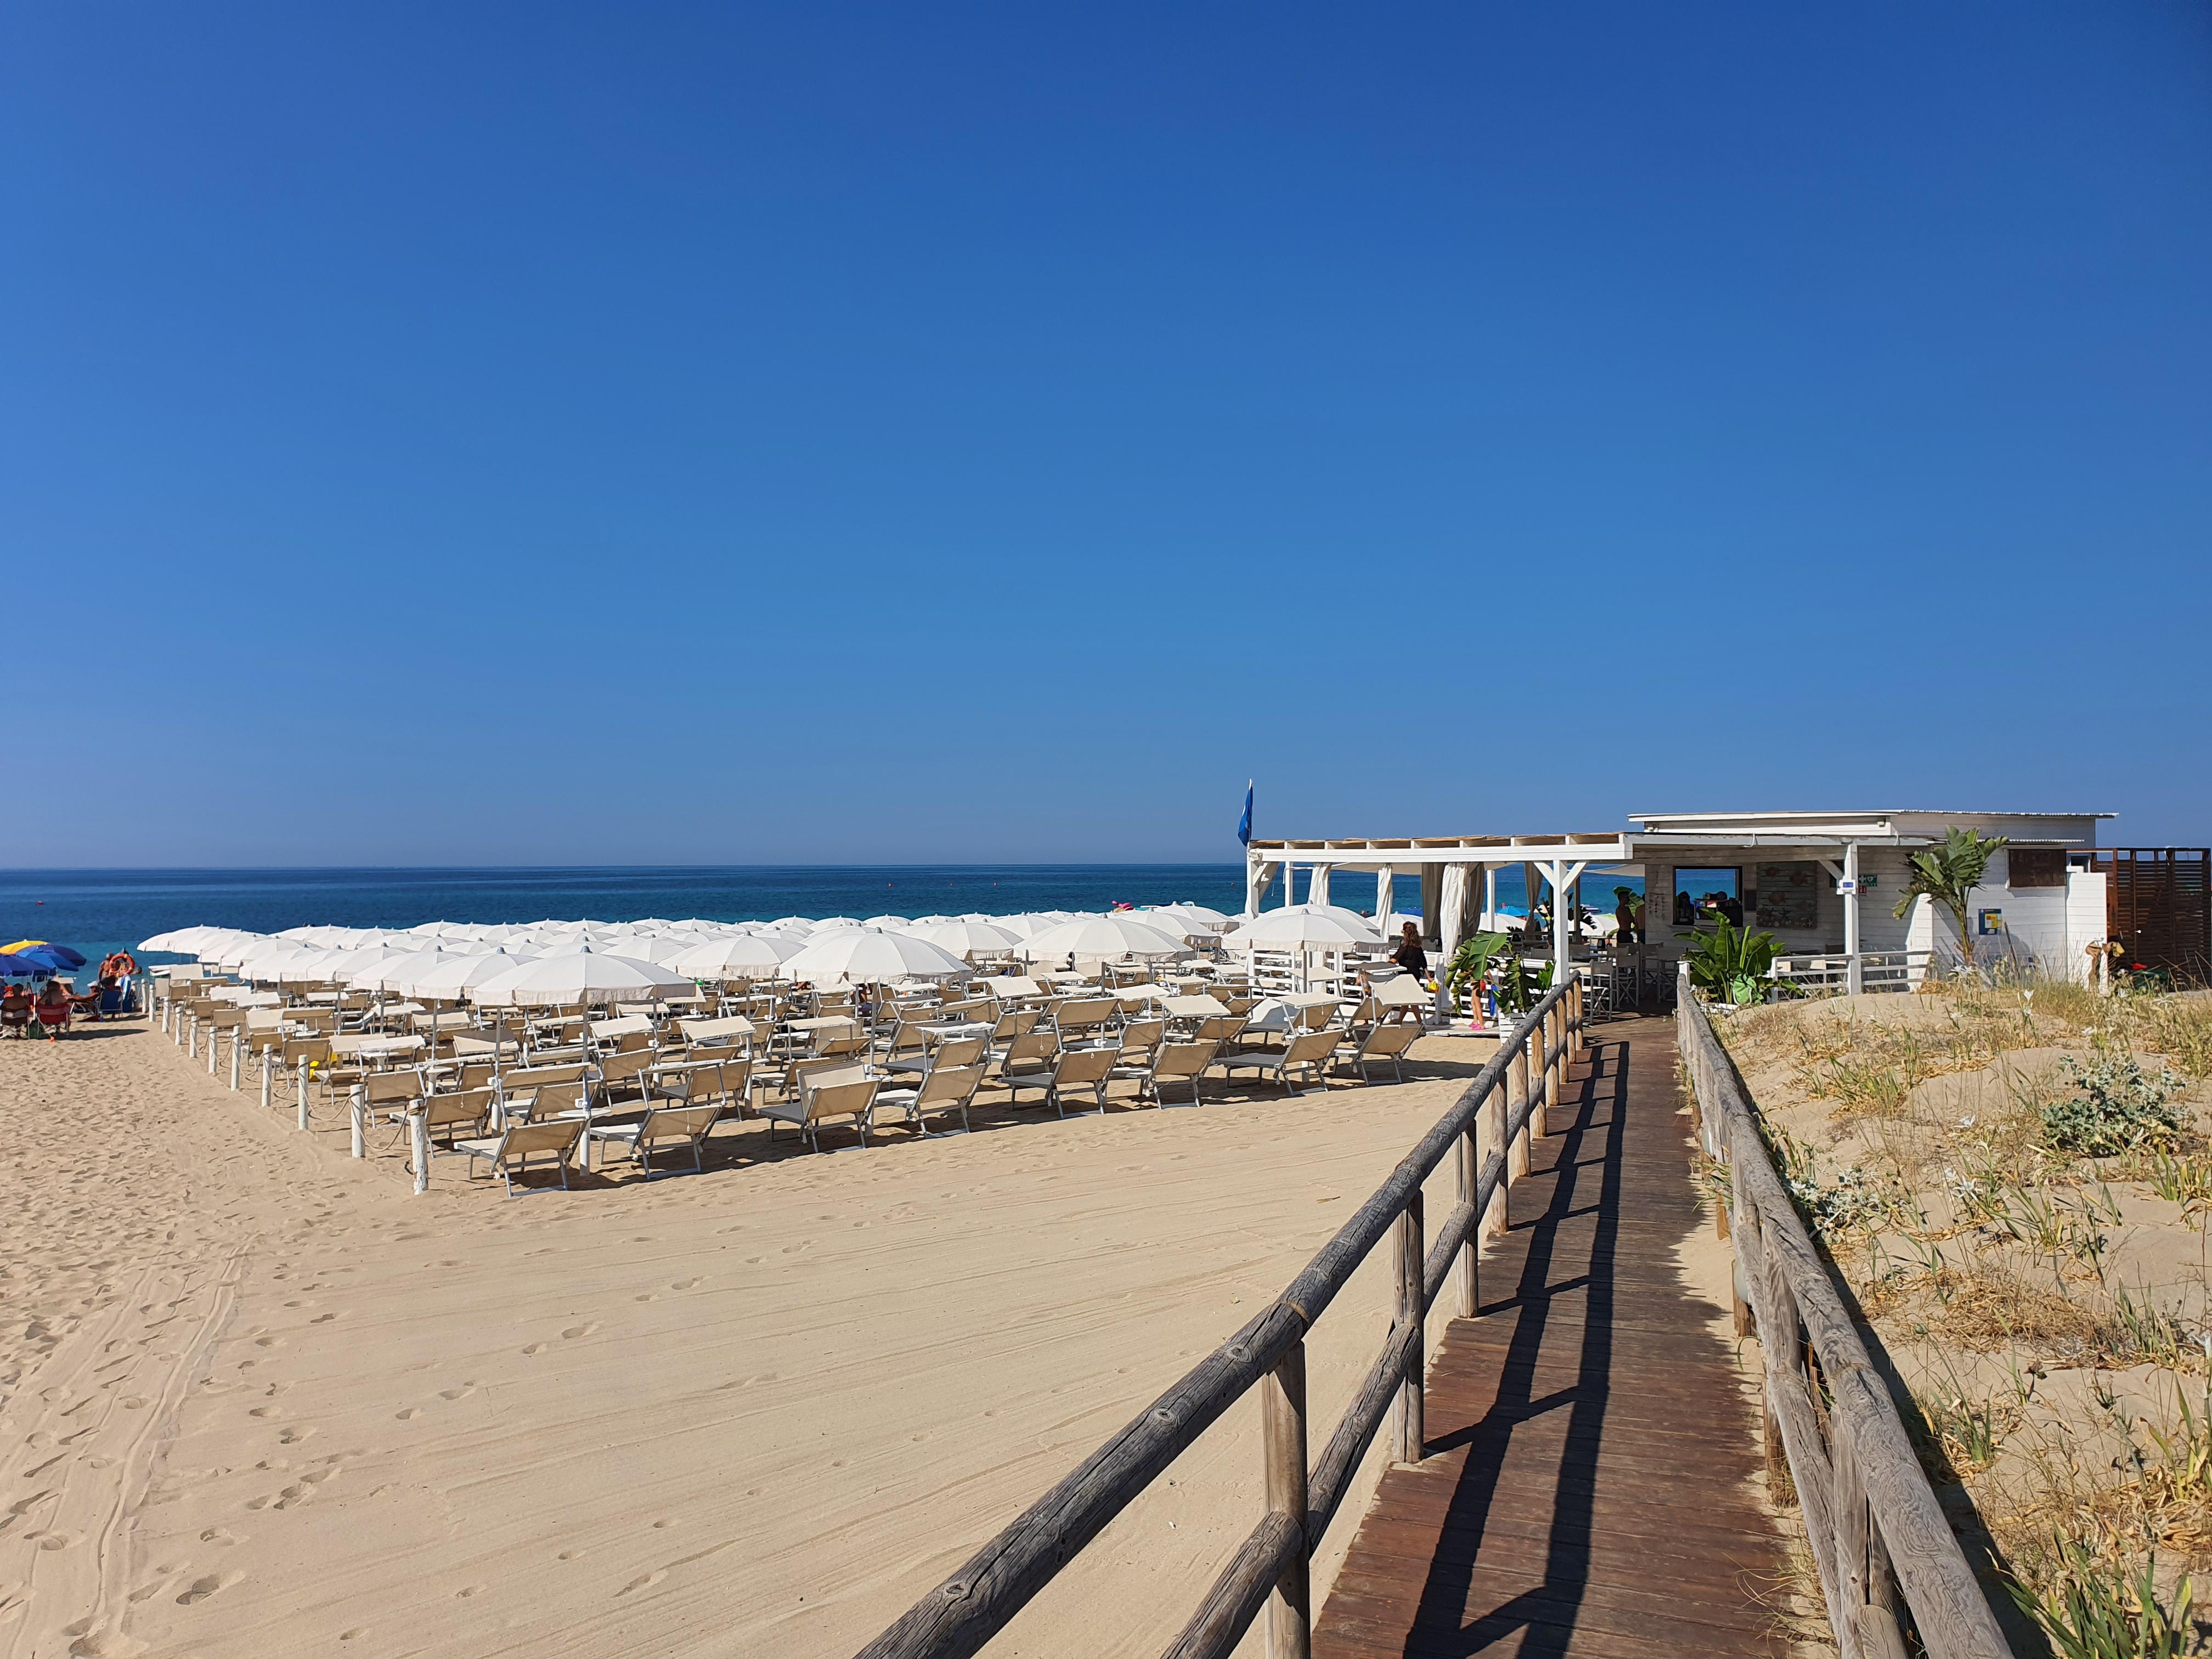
255 1398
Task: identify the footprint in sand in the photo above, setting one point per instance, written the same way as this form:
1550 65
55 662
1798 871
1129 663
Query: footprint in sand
268 1341
293 1437
403 1413
567 1555
467 1590
649 1295
533 1347
217 1535
683 1284
203 1588
264 1411
54 1541
354 1634
322 1319
664 1522
644 1581
576 1331
148 1592
461 1393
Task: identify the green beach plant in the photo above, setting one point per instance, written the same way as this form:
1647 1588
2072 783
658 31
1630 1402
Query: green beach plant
1470 964
1730 965
1948 875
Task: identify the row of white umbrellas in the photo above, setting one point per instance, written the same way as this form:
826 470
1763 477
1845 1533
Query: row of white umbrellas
553 961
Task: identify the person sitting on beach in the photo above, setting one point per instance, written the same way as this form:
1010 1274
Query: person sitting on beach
51 1008
16 1008
1409 954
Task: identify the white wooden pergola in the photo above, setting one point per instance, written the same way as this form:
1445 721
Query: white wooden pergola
1561 860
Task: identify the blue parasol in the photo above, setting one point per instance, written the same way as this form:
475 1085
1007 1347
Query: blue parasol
50 958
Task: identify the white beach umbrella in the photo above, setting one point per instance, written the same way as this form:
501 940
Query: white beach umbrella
269 968
399 970
1189 929
838 922
230 947
663 948
1304 930
796 924
964 939
1022 925
1102 939
889 921
740 956
452 978
365 969
581 976
310 966
869 956
1212 918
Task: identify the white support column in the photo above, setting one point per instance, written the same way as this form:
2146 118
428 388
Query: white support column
1489 898
1854 967
1556 874
1385 879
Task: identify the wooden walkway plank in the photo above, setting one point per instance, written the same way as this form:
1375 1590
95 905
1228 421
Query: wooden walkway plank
1591 1441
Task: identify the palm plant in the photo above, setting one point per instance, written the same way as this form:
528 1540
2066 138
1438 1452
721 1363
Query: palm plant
1470 964
1948 875
1729 964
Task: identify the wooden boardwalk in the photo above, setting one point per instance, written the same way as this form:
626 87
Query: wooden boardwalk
1590 1438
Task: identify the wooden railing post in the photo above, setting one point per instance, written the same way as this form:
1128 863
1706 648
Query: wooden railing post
1494 1108
1467 1270
1548 1035
1412 1258
1283 1434
1517 1081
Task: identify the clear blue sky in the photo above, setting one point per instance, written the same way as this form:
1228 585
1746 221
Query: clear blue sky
454 432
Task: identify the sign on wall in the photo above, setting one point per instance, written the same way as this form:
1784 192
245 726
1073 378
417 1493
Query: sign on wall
1788 896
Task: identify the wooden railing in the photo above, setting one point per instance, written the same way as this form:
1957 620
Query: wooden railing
1884 1551
1270 1568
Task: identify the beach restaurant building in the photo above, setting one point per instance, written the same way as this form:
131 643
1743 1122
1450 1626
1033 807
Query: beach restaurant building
1826 883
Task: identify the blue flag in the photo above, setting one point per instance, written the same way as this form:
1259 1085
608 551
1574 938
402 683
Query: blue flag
1244 824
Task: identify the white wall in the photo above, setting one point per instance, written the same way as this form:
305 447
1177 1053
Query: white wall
2085 919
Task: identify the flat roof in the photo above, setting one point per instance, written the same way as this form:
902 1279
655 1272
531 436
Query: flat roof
1832 817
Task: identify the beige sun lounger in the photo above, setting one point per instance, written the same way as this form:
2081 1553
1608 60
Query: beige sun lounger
1383 1043
511 1151
832 1093
1074 1068
1172 1063
943 1088
1309 1051
663 1125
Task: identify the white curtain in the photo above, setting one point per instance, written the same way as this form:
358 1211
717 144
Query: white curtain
1259 876
1451 917
1382 905
1317 885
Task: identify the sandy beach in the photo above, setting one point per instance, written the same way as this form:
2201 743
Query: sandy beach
257 1398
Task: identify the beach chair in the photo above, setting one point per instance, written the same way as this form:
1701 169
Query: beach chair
1171 1063
832 1093
663 1126
906 1039
732 1031
953 1051
392 1092
454 1115
623 1075
943 1088
1140 1040
1026 1056
1306 1051
511 1150
700 1078
1378 1044
1073 1068
1083 1017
